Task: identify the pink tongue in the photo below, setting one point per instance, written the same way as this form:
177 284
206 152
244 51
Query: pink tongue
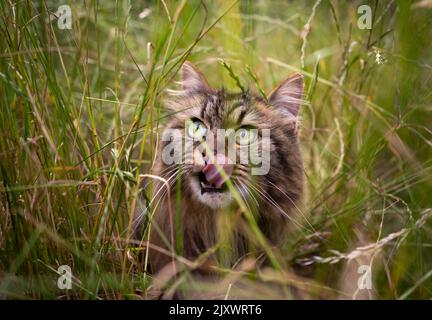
212 173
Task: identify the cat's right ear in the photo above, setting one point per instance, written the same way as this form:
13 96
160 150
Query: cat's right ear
287 97
192 80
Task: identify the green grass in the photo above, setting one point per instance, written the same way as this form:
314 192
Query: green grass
81 109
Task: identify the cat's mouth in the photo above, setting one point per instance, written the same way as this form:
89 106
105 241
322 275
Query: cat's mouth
207 187
209 184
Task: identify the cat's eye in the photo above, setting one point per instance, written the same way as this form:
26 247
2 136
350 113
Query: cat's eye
196 129
246 136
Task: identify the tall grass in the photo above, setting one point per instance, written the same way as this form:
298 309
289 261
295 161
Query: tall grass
81 110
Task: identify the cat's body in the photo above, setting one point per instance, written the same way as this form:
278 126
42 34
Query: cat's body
208 215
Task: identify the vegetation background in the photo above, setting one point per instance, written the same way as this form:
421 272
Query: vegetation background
81 110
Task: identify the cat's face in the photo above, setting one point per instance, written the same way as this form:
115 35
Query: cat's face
219 137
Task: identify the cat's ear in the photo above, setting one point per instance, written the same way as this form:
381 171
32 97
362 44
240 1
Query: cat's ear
287 97
192 80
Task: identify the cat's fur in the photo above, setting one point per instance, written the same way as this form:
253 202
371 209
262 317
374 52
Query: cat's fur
204 224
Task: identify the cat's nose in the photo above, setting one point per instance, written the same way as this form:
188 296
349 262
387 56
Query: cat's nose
198 161
212 173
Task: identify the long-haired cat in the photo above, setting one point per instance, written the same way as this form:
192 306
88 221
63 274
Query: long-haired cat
211 203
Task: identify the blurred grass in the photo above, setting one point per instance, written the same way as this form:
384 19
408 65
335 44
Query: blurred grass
81 108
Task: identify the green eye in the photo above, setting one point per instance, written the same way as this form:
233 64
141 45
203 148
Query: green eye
245 136
196 130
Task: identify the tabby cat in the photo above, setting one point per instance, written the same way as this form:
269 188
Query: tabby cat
220 197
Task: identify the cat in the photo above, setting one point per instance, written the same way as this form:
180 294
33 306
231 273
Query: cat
213 188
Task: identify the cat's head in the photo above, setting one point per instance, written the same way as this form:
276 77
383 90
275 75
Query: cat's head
214 137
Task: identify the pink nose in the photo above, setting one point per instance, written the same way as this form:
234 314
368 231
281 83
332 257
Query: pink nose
212 173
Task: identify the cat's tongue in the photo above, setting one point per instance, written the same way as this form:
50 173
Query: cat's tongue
212 173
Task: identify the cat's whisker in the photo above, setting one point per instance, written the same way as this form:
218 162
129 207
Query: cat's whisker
164 189
165 171
239 187
241 175
295 206
271 201
243 183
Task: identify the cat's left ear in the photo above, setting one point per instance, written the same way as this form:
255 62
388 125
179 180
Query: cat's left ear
192 80
287 97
